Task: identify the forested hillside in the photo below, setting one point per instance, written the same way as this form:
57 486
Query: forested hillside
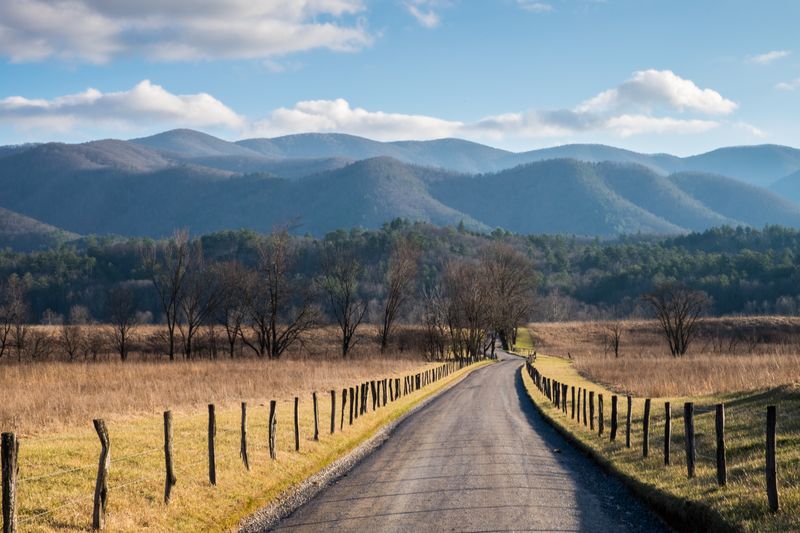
743 270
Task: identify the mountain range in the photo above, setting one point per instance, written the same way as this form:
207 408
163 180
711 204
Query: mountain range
321 182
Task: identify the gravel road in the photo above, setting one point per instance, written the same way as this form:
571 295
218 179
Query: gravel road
477 458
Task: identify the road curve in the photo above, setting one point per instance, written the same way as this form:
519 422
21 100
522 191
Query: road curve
477 458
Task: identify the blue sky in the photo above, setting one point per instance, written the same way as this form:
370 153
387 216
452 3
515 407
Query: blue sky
670 76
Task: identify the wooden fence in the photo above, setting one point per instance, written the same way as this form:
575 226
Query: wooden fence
354 401
556 392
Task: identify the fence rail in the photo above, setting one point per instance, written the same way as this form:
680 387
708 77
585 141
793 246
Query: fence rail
545 386
377 393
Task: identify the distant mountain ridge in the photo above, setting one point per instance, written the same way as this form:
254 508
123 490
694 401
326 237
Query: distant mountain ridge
323 182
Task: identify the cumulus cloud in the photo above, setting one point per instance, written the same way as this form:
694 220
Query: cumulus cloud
635 107
769 57
145 103
650 89
98 30
535 7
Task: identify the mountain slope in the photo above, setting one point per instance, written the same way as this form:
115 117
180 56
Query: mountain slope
731 198
553 196
660 196
788 187
759 165
191 143
20 232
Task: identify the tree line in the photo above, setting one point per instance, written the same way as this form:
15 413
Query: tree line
266 300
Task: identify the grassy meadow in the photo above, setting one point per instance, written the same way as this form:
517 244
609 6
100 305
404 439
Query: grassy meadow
745 382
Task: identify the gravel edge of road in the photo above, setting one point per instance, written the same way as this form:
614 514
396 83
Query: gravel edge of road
679 514
290 500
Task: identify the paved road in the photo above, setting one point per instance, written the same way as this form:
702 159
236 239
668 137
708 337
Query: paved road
477 458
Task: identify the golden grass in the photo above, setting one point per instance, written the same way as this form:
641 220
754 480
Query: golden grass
743 501
45 396
57 468
712 366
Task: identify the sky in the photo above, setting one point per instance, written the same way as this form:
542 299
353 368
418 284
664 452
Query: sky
677 76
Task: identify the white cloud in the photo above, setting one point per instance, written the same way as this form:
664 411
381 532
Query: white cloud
425 16
769 57
649 89
145 103
98 30
789 85
625 111
535 7
338 116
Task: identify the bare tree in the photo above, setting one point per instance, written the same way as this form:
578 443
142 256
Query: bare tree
340 282
167 266
201 294
613 336
468 317
73 336
434 318
15 316
233 306
399 284
511 283
677 309
281 308
121 308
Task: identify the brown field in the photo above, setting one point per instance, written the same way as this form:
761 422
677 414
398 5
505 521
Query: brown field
731 355
44 396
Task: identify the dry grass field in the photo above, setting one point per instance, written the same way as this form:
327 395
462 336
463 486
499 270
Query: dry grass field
731 355
746 375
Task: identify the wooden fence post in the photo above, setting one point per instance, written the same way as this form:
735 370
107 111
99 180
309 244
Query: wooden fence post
333 411
579 405
352 400
296 424
772 464
591 410
688 425
374 391
344 402
316 415
573 402
613 418
101 486
564 402
272 428
646 429
212 433
396 388
722 467
10 457
628 423
585 421
243 440
667 432
384 392
170 479
600 420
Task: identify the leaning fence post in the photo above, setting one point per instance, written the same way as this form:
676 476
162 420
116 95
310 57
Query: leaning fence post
170 479
688 424
352 401
316 416
101 486
772 465
296 424
585 421
212 433
573 402
667 432
344 401
272 428
10 454
628 423
646 429
243 443
591 410
333 411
